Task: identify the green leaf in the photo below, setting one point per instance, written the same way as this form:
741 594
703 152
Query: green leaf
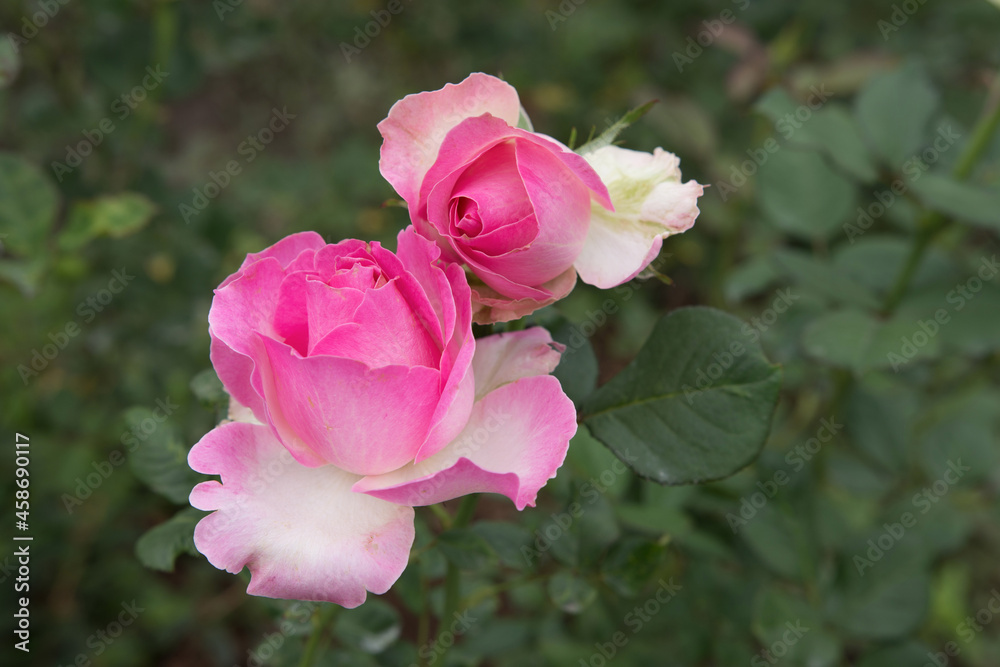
371 628
160 546
694 405
821 277
28 203
831 130
26 275
803 196
890 602
902 655
971 203
506 540
464 548
774 536
879 423
10 62
570 593
858 341
577 369
114 216
894 110
207 386
608 136
631 563
159 459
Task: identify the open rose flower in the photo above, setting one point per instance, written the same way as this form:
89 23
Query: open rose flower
360 392
520 209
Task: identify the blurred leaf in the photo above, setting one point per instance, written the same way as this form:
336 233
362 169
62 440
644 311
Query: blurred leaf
10 62
608 136
631 563
694 405
821 277
775 537
506 539
909 654
967 202
28 203
887 603
160 460
894 110
207 387
570 593
858 341
803 196
26 275
830 129
160 546
880 422
371 628
114 216
464 548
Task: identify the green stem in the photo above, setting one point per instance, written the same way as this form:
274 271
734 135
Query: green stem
452 577
933 222
320 621
516 325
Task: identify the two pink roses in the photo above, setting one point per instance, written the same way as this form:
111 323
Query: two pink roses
358 390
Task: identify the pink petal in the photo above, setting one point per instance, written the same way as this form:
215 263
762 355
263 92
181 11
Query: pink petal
515 441
302 531
506 357
340 411
491 306
285 251
417 125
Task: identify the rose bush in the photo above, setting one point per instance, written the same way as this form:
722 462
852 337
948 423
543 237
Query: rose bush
521 210
358 393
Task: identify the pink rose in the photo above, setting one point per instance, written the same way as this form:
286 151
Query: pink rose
360 392
512 205
522 211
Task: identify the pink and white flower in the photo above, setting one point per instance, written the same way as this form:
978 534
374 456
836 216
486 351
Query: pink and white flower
363 394
522 211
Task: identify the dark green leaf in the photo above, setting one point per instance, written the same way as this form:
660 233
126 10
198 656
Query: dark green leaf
971 203
570 593
464 548
160 546
28 203
115 216
159 459
694 405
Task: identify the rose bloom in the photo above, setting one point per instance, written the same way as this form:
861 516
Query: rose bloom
359 392
522 211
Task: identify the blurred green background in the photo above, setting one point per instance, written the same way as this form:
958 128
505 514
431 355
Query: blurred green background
92 182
